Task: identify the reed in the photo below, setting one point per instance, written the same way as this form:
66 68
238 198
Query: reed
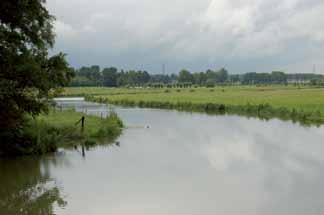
262 111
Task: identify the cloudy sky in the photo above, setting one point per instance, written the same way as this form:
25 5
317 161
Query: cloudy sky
241 35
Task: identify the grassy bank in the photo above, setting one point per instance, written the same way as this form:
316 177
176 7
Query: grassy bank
301 104
63 129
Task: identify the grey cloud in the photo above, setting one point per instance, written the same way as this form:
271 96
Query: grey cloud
243 35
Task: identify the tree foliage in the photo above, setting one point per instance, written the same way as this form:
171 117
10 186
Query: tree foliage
112 77
27 73
185 76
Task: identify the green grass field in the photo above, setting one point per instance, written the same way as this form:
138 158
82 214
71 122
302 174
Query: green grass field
301 99
302 104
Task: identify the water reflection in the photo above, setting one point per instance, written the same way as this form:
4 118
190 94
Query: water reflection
230 165
27 188
167 162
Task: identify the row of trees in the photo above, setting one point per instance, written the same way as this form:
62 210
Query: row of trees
261 78
112 77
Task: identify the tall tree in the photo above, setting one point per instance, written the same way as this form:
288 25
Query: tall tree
27 73
185 76
110 77
222 75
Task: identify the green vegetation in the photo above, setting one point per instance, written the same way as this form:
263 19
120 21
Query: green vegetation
28 75
112 77
303 104
47 132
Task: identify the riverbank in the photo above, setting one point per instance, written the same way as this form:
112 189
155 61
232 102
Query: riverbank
48 132
299 104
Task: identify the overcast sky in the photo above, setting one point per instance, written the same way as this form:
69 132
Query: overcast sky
241 35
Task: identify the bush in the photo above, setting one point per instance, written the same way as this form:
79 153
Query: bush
110 128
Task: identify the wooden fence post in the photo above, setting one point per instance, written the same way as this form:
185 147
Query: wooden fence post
82 130
82 124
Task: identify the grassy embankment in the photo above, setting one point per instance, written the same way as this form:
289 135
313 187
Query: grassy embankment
60 129
302 104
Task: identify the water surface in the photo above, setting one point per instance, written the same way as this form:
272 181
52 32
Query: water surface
170 162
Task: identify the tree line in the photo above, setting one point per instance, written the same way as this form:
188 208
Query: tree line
112 77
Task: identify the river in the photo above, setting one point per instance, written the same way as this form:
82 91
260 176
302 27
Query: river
169 162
